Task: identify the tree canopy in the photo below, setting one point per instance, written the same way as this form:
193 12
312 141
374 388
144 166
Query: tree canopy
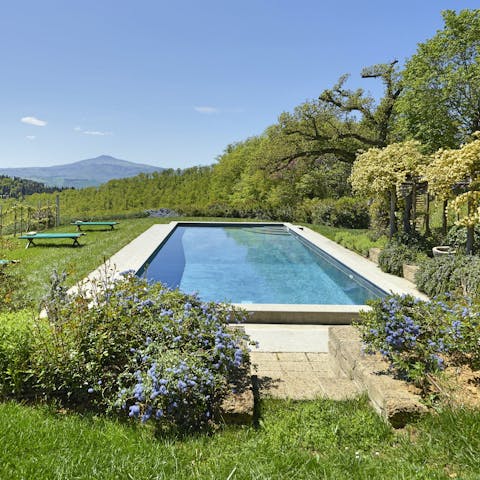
440 104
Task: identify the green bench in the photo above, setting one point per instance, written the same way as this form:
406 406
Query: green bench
50 236
4 262
80 224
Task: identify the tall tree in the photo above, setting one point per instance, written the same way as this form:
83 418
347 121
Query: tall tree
340 123
440 104
383 171
455 173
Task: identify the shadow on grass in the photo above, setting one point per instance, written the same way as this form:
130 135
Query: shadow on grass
259 384
56 245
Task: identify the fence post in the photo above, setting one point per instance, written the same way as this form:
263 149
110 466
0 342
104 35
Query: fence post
21 219
57 210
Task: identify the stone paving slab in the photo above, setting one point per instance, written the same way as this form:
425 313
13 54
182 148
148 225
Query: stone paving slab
289 338
300 376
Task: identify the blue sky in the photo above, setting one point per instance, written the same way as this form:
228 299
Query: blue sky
173 83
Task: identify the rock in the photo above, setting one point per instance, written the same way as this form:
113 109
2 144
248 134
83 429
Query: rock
391 398
373 254
409 272
162 213
238 408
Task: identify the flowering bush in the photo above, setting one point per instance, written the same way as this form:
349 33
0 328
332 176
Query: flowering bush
142 349
418 337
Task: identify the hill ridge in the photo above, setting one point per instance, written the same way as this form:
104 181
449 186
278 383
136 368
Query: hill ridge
82 173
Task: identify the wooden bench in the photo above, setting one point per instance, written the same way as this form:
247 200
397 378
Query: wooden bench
50 236
80 224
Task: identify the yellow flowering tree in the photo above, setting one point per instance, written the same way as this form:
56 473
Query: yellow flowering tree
383 171
455 174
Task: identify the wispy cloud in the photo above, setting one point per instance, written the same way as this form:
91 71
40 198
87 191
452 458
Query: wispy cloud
33 121
207 110
96 132
31 137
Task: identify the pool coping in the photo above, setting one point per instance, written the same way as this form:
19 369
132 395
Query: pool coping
135 254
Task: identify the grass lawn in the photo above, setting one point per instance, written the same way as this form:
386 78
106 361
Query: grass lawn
295 440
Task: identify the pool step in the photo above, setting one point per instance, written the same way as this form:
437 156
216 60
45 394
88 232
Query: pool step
280 230
300 376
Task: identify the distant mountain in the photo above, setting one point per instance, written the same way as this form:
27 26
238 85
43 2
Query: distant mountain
85 173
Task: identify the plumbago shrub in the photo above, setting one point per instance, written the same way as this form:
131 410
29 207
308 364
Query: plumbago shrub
140 349
420 337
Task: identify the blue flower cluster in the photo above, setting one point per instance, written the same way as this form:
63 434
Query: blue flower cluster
401 331
183 367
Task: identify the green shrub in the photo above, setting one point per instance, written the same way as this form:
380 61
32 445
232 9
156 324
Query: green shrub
344 212
304 211
16 343
418 337
457 238
141 349
394 255
458 274
358 242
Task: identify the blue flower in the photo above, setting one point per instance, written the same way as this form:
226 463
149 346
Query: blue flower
134 411
182 385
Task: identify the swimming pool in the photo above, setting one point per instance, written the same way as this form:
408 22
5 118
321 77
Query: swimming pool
254 264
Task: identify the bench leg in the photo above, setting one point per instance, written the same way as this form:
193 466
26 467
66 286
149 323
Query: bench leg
75 242
30 242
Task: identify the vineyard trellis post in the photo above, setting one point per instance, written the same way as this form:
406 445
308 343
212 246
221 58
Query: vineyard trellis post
57 210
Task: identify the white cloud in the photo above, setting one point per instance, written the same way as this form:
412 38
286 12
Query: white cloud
33 121
77 129
96 132
31 137
206 110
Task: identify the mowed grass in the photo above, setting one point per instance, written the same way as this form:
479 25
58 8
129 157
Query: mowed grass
295 440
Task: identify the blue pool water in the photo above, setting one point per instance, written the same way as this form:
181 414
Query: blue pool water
254 264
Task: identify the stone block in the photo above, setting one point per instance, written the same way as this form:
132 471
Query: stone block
238 408
409 272
390 397
373 254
